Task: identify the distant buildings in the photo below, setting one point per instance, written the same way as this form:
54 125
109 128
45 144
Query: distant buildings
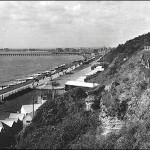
82 50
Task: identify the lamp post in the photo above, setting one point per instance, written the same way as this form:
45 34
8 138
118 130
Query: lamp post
33 107
52 87
34 88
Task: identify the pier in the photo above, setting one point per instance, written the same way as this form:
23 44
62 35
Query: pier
37 54
15 89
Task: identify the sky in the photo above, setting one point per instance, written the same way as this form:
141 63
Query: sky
48 24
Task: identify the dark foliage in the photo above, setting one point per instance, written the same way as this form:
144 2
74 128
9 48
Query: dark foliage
58 123
8 134
96 104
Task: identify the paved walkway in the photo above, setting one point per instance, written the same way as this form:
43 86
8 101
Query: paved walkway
17 86
64 78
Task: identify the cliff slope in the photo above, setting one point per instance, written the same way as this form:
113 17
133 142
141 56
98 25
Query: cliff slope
120 113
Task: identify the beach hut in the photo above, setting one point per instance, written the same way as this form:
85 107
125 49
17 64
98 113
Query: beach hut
8 121
27 120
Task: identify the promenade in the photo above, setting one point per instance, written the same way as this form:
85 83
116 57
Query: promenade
44 79
17 86
76 73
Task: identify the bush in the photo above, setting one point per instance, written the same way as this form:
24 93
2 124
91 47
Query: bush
57 122
113 70
142 85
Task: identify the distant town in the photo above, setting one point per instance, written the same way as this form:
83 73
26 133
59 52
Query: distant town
60 50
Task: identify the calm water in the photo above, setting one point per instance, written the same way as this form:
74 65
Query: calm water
17 67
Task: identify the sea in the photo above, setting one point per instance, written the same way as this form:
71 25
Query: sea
16 67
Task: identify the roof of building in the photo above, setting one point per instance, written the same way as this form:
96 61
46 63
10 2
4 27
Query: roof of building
29 108
43 101
16 115
99 68
12 119
82 84
7 122
1 128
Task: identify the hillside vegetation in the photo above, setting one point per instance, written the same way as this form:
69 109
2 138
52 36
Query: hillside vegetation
123 93
58 123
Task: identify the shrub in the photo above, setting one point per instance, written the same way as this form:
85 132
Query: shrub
142 85
57 122
113 70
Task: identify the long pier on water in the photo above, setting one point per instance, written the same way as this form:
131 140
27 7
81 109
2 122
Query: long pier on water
38 54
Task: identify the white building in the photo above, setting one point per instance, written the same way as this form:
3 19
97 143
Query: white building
9 121
81 79
16 116
99 68
27 120
72 84
26 109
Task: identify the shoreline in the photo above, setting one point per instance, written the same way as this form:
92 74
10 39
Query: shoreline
29 66
46 76
14 105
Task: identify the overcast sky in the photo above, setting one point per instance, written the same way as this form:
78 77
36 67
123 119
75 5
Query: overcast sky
44 24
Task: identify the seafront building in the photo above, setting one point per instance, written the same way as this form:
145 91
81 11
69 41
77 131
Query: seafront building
73 84
26 109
